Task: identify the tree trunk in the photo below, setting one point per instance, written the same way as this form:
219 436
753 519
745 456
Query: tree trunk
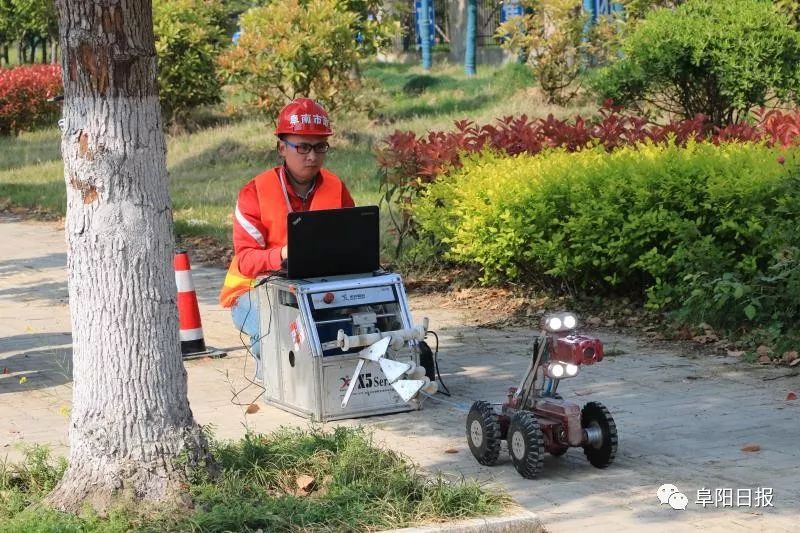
44 50
472 32
132 433
425 36
32 44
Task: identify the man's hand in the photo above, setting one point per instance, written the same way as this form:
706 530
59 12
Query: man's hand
284 252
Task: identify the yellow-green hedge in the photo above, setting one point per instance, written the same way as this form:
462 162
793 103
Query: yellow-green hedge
712 230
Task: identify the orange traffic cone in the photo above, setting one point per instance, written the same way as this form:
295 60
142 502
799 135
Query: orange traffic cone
193 345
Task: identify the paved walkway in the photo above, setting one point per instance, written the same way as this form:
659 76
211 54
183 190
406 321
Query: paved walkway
682 420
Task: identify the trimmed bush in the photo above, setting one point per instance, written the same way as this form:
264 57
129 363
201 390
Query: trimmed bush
709 230
407 159
716 58
304 48
407 162
189 37
638 9
24 92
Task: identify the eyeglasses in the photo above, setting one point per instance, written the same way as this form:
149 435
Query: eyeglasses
304 148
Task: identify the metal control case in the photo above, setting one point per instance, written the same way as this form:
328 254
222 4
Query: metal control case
301 371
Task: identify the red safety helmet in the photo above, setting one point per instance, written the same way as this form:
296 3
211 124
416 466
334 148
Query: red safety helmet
303 116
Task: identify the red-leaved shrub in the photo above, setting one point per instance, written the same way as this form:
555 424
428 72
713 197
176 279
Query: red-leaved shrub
406 157
408 162
24 91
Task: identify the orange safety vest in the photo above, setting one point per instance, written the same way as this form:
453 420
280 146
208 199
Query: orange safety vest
274 205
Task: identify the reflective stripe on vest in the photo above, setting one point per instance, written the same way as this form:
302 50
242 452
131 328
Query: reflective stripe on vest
273 201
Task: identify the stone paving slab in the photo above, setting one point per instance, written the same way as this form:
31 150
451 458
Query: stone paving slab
682 420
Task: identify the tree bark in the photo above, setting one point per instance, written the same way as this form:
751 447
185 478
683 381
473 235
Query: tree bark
132 433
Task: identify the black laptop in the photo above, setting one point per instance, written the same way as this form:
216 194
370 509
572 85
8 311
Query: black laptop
332 242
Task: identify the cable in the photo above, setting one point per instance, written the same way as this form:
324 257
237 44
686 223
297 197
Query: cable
250 382
445 390
460 406
246 345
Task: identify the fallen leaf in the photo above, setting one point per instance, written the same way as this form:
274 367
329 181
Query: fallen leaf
252 408
751 448
451 450
791 396
305 483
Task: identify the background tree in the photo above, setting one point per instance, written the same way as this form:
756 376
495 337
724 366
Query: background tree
424 26
29 24
189 37
471 34
131 430
304 48
375 24
230 11
37 25
551 38
719 59
6 30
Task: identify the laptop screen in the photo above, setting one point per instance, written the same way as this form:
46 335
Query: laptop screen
333 242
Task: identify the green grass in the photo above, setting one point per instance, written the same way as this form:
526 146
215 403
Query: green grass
207 167
445 92
360 487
